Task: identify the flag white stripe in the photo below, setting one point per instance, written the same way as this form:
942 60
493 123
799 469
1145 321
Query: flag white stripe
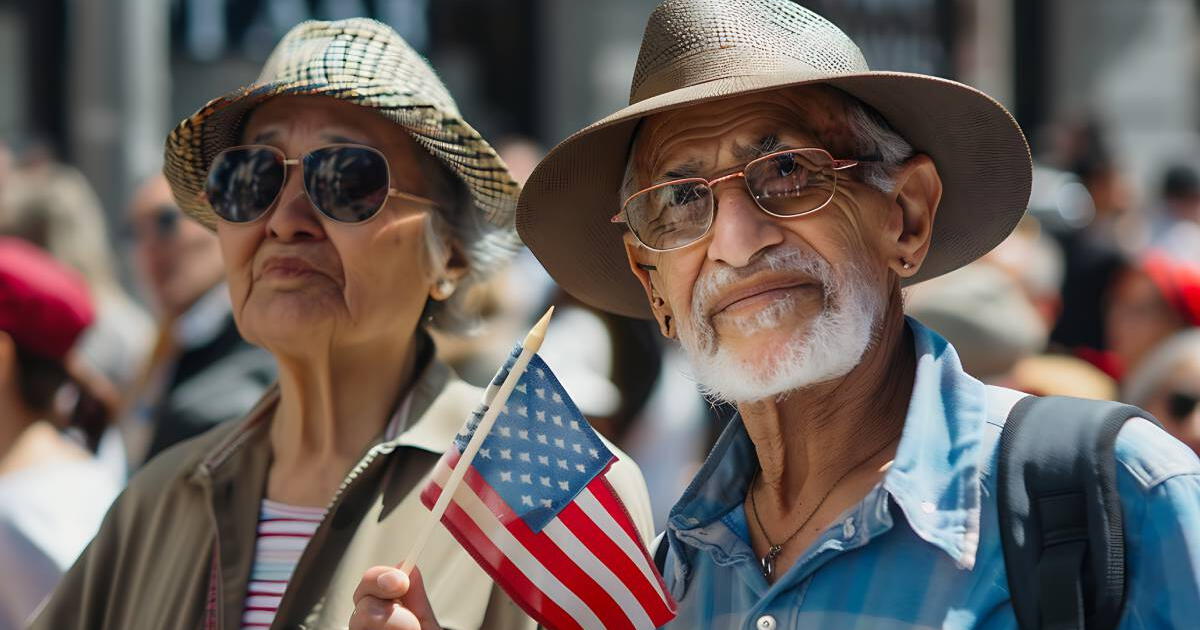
591 506
579 553
502 539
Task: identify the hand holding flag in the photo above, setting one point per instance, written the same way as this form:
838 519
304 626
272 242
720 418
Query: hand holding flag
536 511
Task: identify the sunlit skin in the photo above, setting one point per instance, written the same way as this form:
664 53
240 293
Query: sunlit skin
337 305
1138 318
811 437
176 267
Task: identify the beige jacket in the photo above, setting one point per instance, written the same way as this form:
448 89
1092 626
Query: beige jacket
176 549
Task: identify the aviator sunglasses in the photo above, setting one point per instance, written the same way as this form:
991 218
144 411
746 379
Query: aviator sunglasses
348 183
784 184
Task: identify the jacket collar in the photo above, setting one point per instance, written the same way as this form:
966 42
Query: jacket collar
436 401
935 477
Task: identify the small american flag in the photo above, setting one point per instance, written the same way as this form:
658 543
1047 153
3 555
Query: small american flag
538 515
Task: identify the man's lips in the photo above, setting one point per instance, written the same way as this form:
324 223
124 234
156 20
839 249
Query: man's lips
750 293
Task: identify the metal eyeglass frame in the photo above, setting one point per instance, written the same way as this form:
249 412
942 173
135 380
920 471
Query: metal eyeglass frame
835 166
298 163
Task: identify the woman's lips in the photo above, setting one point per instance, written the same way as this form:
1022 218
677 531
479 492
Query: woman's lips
287 267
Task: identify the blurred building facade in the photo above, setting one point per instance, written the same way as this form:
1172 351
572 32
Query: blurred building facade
102 80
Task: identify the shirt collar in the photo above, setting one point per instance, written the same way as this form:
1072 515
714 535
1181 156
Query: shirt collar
934 478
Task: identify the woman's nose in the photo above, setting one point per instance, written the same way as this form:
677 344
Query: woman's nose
294 217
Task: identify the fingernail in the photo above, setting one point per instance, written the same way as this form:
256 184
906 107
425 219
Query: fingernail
390 581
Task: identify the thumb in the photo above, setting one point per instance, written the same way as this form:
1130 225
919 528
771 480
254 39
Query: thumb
417 602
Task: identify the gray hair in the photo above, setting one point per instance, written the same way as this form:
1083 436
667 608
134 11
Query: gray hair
1146 380
458 226
873 136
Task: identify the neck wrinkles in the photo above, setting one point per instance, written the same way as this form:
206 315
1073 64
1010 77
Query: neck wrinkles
818 433
334 401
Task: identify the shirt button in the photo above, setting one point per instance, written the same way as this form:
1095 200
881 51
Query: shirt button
766 622
848 528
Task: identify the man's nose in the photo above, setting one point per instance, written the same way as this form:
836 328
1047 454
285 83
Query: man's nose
740 228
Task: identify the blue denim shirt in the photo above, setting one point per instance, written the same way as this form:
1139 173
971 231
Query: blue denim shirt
922 549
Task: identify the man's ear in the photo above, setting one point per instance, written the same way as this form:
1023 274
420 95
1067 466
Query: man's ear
916 192
643 269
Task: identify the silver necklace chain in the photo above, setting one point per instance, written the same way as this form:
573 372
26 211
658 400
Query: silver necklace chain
767 562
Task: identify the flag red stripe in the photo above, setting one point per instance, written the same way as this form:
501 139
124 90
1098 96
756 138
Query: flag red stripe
550 555
525 593
615 558
617 510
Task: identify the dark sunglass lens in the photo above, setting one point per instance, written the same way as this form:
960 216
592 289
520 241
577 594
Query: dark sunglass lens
791 183
348 184
1181 405
243 183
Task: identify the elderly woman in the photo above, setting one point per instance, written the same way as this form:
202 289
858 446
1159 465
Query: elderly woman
353 206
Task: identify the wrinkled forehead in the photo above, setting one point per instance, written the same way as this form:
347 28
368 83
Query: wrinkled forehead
327 119
711 135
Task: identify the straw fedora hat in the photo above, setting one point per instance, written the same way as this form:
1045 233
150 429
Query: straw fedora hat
695 51
357 60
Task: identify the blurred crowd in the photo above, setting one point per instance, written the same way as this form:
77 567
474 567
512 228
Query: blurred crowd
1095 295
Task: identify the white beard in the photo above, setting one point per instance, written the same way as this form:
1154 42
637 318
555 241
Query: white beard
832 346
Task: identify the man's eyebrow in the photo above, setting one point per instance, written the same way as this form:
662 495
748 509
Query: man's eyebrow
766 144
691 168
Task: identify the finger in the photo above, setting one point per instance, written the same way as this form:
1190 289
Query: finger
382 582
417 601
372 613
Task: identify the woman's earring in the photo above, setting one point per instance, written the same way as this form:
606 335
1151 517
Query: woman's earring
446 287
907 265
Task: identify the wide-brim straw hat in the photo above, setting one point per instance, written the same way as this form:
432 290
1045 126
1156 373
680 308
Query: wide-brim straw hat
360 61
695 51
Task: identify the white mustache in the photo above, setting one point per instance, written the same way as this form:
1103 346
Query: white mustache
793 259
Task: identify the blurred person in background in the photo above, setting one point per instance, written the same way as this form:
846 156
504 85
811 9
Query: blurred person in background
1167 384
984 313
53 206
1175 230
200 371
1094 254
1149 302
53 493
354 206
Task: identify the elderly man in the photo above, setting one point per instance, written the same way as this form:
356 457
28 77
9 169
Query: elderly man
771 196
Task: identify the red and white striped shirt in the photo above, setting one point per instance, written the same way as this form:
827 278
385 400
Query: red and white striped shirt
283 533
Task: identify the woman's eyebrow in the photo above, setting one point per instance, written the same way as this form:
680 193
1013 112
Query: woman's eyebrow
264 137
340 139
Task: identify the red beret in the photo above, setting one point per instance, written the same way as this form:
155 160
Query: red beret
44 305
1179 283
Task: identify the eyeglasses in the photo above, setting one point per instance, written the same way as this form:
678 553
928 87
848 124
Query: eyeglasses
1181 404
347 183
784 184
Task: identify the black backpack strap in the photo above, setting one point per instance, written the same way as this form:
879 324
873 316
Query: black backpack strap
1060 513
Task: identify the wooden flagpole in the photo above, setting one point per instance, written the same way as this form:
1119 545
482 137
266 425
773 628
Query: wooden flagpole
533 341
